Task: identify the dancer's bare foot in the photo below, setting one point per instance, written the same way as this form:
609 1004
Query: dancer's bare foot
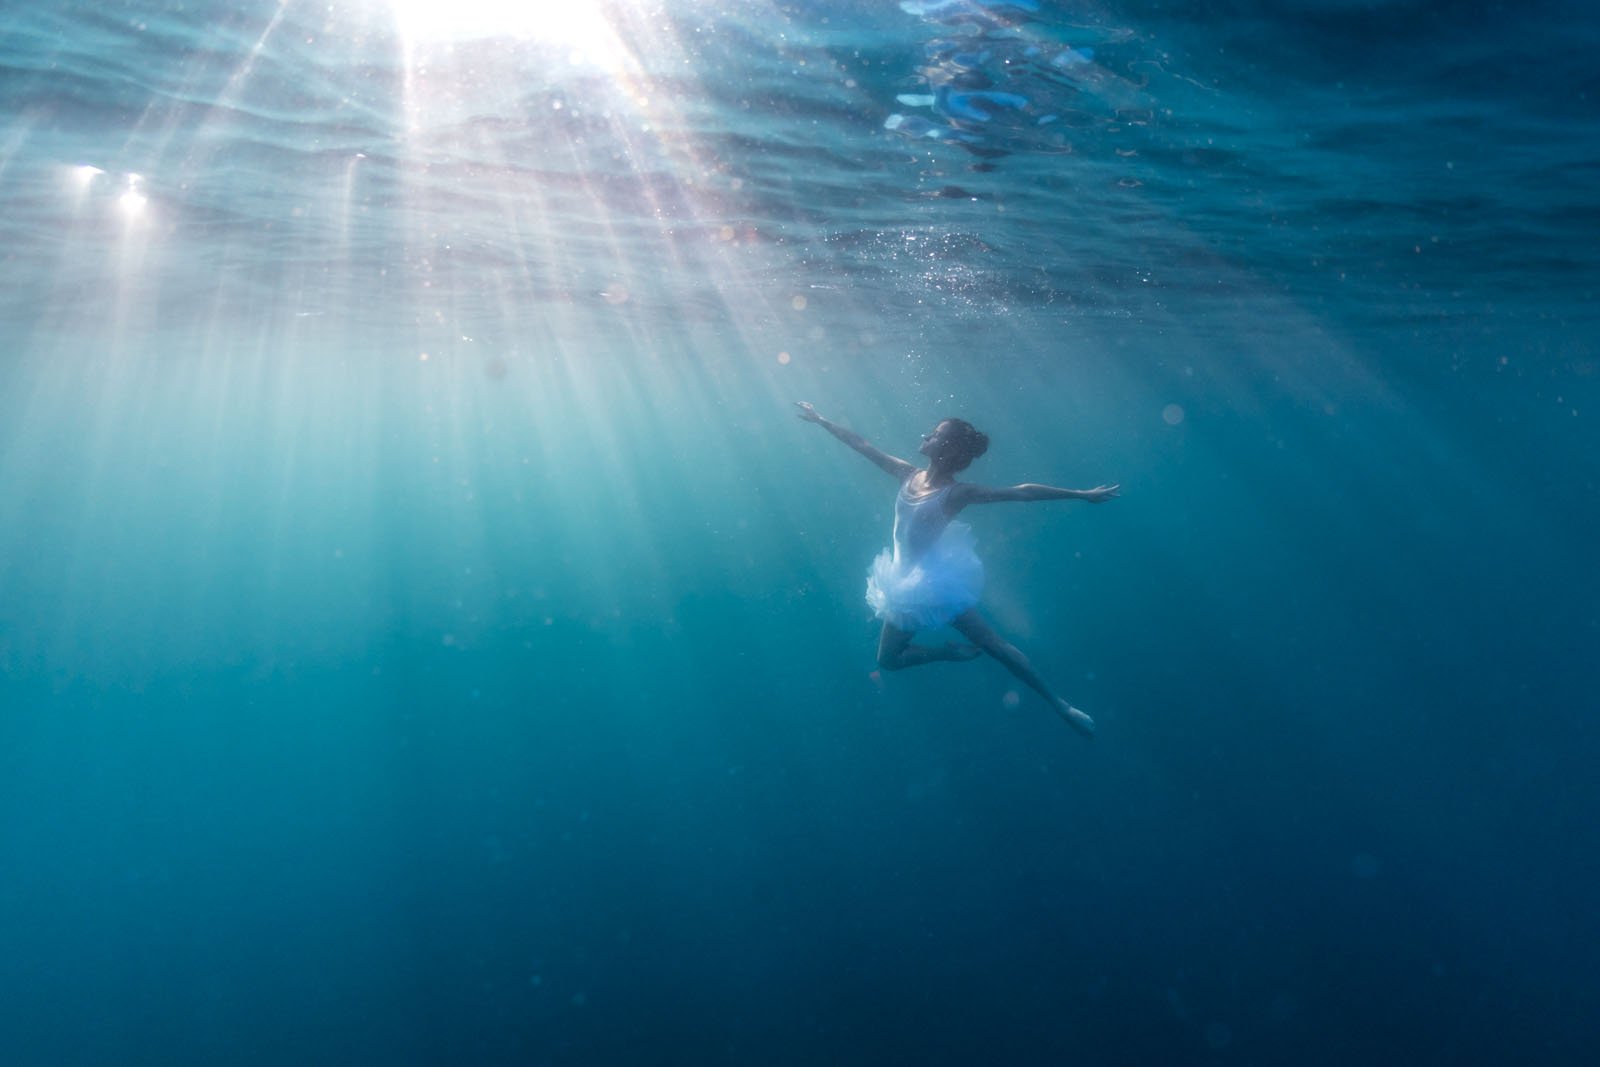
1076 719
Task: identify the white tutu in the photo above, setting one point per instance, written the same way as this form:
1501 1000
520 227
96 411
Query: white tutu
945 581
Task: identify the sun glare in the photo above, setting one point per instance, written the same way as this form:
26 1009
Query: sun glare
577 27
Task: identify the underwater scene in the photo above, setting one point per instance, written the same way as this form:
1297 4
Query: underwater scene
444 444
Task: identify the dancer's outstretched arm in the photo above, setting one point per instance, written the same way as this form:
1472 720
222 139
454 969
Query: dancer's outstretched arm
891 464
966 493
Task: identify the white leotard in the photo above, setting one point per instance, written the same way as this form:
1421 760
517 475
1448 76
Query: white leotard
918 522
930 574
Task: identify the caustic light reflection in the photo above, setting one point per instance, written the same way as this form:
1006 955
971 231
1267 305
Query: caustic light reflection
577 27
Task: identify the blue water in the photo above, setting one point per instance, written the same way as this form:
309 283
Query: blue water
427 635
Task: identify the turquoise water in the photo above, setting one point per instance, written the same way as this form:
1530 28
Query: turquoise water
427 635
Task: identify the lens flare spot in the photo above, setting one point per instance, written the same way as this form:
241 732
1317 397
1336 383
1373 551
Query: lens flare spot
132 203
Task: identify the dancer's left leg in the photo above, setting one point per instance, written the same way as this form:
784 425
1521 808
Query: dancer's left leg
975 628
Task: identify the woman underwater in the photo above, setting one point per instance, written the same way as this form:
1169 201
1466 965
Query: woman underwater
932 577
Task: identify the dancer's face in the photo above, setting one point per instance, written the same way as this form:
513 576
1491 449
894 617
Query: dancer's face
935 441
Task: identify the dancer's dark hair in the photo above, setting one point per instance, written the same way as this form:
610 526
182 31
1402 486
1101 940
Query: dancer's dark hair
967 443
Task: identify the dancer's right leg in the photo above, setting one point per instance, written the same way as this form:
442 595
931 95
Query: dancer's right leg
896 652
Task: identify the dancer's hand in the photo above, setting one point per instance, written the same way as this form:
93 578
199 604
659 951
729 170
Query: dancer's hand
1100 493
807 412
